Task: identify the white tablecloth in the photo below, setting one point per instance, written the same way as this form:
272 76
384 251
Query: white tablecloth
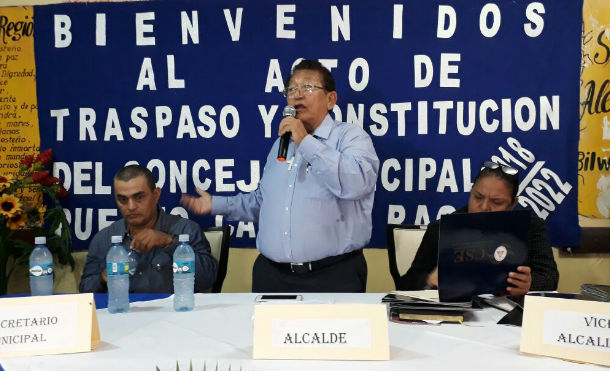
218 333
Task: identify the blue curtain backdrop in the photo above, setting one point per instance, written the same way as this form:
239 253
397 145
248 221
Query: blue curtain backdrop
497 81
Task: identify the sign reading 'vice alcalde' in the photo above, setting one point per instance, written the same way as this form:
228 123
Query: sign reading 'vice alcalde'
567 328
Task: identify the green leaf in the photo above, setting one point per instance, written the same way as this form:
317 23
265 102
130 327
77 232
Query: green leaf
22 251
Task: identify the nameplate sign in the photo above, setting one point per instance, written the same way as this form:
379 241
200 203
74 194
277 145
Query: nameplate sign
577 330
317 331
54 324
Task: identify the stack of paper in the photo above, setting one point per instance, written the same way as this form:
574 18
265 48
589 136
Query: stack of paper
598 292
410 306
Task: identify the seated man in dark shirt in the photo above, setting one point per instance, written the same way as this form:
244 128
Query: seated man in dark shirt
152 234
494 189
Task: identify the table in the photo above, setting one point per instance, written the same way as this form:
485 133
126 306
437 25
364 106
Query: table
101 300
218 333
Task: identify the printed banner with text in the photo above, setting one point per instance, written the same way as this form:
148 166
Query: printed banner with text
192 90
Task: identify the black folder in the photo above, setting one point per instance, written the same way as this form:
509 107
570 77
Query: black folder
405 308
477 251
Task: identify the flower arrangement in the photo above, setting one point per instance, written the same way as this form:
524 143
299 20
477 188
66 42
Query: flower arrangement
29 201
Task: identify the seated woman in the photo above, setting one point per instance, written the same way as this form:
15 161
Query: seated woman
494 189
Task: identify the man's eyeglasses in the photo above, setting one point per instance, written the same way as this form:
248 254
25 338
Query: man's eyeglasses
305 89
505 168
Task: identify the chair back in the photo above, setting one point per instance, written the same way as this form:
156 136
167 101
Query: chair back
403 242
219 238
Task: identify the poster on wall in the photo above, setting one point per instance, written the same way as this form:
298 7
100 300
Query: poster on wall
18 106
192 90
594 145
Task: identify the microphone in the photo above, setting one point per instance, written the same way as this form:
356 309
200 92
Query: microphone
285 139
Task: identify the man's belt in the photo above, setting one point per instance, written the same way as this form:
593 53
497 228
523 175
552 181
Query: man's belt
314 265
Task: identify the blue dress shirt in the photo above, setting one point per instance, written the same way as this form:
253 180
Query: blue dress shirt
154 271
316 204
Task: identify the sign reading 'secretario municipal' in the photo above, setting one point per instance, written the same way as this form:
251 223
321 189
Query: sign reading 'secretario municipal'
47 325
20 332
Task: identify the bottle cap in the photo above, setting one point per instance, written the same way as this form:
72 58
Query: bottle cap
40 240
116 239
183 238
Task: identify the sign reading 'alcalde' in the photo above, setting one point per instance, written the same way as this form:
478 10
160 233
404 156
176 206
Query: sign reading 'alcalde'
316 338
321 331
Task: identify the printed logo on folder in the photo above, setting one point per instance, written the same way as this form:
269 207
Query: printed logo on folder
477 251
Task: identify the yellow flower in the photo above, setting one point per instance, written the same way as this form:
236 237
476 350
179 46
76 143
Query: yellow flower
42 209
5 181
9 205
17 220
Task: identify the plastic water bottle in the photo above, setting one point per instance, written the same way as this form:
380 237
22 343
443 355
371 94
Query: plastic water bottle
133 261
117 268
184 275
41 268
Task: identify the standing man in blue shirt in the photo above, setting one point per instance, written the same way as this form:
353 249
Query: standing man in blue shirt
313 211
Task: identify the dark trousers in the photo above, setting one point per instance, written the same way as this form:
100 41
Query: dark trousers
347 275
